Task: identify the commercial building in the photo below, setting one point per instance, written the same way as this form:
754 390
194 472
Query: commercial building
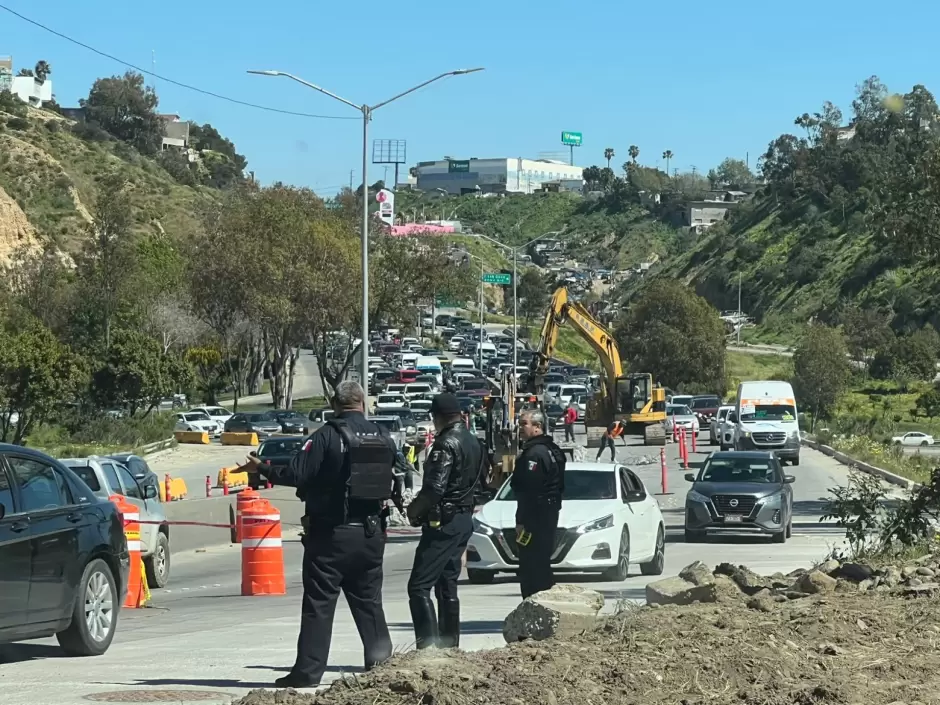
502 175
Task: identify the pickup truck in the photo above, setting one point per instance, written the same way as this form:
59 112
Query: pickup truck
705 407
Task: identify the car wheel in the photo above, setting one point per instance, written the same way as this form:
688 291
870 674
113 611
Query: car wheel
480 577
789 528
620 571
780 536
694 536
795 461
923 444
658 563
158 564
94 614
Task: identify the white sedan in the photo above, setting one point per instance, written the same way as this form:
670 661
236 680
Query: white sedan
607 522
914 438
197 421
219 414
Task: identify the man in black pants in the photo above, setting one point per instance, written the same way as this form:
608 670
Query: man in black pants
444 509
538 483
344 475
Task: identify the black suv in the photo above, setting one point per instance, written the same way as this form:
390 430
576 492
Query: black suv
63 556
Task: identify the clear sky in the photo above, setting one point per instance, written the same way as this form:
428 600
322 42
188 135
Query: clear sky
704 80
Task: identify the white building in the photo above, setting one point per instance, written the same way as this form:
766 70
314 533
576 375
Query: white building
503 175
31 91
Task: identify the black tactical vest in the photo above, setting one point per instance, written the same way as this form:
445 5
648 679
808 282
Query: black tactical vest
369 459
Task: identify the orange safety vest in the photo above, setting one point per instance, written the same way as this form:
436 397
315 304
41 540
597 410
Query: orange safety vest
618 429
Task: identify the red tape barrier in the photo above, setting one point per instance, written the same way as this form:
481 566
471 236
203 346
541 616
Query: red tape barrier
391 530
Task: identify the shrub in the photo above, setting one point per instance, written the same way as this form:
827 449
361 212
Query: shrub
18 123
90 132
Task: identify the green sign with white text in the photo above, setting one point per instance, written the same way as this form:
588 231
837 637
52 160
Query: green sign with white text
571 139
495 278
458 167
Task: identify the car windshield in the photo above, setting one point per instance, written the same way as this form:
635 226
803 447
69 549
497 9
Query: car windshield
281 446
420 415
705 403
580 372
475 384
88 475
678 410
681 401
290 416
259 417
579 485
388 424
768 412
728 469
197 416
554 409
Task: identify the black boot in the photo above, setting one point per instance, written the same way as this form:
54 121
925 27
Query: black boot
449 623
425 621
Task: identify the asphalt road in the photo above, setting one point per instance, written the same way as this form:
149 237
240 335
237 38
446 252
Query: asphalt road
202 635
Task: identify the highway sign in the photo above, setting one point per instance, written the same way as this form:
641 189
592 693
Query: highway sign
496 278
571 139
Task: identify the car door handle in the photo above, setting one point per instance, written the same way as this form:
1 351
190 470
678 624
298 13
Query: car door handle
19 526
74 518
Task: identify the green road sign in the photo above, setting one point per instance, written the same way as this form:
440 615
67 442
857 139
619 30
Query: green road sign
571 139
494 278
458 166
444 302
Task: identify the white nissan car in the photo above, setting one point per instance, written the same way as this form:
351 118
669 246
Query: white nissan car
607 522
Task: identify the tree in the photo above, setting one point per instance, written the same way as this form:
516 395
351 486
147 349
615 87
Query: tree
42 71
37 374
124 107
821 369
533 295
608 155
675 335
634 152
26 73
731 173
866 331
668 155
928 403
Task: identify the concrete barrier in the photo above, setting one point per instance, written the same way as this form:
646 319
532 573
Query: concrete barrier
178 489
239 439
199 437
220 510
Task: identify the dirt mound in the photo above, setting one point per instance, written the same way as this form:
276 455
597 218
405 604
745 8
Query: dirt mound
15 228
847 644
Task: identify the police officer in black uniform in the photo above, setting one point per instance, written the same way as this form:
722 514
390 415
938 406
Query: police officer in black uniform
444 509
538 482
344 473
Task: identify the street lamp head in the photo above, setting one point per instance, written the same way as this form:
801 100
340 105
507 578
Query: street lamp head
461 72
265 73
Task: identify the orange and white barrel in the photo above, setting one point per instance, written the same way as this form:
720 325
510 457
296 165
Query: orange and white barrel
244 498
131 516
262 550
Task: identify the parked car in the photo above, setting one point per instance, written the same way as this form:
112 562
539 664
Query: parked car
680 416
913 438
219 414
291 421
739 492
278 452
63 554
607 522
106 477
197 421
716 426
262 423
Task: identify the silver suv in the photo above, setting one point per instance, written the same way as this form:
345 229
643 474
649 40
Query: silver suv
394 426
106 477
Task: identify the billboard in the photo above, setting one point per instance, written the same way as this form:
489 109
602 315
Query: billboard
458 167
386 201
571 139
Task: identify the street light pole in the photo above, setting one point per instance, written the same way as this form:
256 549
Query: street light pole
366 111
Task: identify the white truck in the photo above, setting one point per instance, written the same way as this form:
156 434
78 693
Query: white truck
765 418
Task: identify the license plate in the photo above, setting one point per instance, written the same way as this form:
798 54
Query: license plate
733 519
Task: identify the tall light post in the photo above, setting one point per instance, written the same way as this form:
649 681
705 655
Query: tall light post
366 111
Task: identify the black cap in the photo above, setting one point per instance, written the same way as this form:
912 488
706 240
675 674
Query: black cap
445 404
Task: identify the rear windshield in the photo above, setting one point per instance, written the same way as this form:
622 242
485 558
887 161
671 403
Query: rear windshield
281 446
706 403
89 476
474 383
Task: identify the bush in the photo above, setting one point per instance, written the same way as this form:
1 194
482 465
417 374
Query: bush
79 435
52 125
90 132
18 123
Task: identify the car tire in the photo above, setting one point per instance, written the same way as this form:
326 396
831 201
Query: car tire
789 531
480 577
795 461
621 571
157 564
658 563
779 537
694 536
97 601
924 444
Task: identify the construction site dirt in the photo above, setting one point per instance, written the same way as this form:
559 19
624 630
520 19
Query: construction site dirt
759 646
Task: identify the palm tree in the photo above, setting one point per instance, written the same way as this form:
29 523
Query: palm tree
608 155
634 152
667 155
42 70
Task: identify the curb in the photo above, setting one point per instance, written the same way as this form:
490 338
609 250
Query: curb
841 457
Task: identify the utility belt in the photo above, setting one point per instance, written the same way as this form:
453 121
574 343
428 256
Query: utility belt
444 512
313 524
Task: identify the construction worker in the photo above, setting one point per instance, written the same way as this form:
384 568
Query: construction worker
538 483
614 431
443 508
570 419
410 454
344 473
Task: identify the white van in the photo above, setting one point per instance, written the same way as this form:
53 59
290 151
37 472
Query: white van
430 366
569 390
408 360
488 350
765 418
462 364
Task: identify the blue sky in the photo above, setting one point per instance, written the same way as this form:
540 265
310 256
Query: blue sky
706 81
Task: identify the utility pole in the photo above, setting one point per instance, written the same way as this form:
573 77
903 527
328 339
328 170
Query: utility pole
351 178
738 323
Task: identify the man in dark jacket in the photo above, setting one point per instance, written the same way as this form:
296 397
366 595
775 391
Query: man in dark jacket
444 509
538 483
344 541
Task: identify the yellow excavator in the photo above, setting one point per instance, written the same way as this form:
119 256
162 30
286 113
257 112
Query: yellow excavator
633 398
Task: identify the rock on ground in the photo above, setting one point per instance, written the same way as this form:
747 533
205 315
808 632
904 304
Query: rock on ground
676 591
563 611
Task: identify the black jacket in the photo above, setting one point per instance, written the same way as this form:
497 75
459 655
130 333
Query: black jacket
451 471
538 480
317 473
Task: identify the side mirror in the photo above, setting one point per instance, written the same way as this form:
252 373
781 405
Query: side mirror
150 492
732 417
789 479
253 454
690 477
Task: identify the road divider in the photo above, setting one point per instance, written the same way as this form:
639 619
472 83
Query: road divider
173 489
232 479
239 439
195 437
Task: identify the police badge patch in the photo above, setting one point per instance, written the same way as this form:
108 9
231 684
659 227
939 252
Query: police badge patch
533 465
435 455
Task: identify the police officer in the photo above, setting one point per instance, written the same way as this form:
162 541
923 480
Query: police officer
443 508
344 473
538 483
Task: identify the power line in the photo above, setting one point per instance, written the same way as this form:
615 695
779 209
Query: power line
170 80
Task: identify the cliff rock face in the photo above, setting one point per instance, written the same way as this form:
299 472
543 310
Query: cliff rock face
15 229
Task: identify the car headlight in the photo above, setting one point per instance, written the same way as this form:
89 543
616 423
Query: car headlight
412 429
774 501
694 496
598 524
480 528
